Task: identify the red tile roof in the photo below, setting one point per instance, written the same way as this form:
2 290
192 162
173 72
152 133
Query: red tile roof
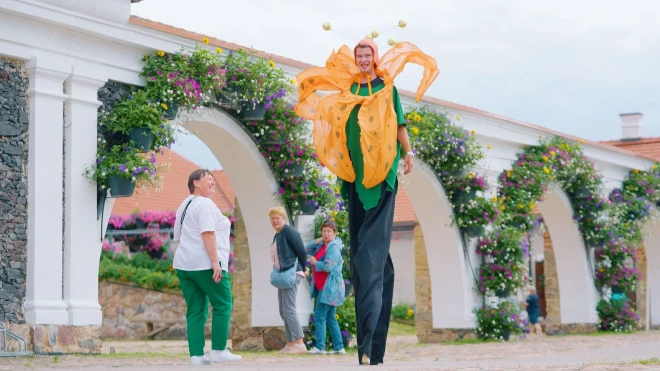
174 190
647 147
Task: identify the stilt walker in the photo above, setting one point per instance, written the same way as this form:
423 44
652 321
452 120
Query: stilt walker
360 135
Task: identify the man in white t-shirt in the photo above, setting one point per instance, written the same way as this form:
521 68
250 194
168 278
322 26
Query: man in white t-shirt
201 262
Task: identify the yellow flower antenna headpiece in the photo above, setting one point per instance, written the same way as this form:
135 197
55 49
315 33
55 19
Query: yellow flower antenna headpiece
371 35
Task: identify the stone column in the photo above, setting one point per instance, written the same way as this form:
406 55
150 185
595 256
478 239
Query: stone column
82 242
44 304
642 287
552 298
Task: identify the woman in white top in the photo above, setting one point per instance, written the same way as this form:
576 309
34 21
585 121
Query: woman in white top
201 261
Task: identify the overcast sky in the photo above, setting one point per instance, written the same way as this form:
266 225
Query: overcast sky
569 65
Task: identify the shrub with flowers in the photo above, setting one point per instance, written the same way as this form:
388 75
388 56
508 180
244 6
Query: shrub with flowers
403 311
499 322
617 316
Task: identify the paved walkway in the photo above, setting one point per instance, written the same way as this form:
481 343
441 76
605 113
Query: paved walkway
639 351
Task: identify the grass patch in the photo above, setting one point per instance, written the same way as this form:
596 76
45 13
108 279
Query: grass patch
400 329
469 341
650 361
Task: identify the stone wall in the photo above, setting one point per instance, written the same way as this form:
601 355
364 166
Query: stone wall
124 304
424 314
57 339
14 122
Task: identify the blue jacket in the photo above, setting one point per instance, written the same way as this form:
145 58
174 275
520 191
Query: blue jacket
333 292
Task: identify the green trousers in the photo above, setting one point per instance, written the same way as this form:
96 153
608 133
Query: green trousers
198 289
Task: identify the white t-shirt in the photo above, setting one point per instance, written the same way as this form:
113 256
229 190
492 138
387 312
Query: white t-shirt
202 216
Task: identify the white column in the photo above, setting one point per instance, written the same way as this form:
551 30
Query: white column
43 303
82 242
304 305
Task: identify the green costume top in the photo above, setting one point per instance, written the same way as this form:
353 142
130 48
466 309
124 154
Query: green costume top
369 196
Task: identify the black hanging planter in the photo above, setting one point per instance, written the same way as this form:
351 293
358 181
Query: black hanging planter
254 113
291 170
618 290
225 98
349 289
581 193
462 198
308 209
120 186
273 138
100 203
475 231
143 137
503 293
506 333
172 110
140 224
456 173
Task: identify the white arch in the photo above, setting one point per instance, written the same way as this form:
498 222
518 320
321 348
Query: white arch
450 289
256 188
652 250
577 292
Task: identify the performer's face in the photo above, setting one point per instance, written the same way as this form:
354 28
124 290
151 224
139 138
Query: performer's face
364 58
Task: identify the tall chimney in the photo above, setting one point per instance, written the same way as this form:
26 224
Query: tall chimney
631 126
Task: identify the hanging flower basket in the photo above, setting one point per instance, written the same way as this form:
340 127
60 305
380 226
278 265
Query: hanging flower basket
143 138
254 113
172 110
120 186
582 193
618 290
293 170
475 231
224 97
506 333
308 209
456 173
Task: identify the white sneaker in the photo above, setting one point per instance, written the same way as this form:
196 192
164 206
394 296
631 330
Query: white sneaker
200 360
340 351
221 356
315 350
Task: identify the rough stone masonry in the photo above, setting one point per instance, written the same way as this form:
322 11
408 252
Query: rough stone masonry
13 189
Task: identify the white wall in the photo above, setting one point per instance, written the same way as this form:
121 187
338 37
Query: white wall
402 251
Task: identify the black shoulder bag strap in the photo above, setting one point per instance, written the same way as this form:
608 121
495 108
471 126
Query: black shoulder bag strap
183 215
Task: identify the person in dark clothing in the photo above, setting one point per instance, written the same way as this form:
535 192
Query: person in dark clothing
533 305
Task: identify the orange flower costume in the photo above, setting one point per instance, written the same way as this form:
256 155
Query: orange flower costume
376 118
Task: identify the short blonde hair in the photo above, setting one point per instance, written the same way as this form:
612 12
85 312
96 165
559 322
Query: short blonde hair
279 210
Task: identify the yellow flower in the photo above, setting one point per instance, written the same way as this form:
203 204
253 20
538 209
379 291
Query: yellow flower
490 147
410 312
552 153
272 64
409 116
458 117
545 158
494 199
418 118
501 199
521 206
164 106
635 171
218 50
160 53
502 207
415 130
293 82
205 40
546 170
655 166
552 178
473 132
333 213
531 205
600 269
508 173
584 141
336 316
471 175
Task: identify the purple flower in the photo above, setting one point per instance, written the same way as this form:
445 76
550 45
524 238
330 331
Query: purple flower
122 168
